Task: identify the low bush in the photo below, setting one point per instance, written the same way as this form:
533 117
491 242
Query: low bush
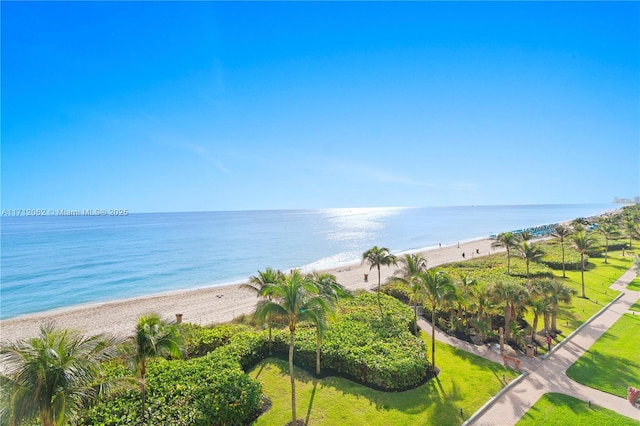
208 390
399 290
200 340
360 345
553 257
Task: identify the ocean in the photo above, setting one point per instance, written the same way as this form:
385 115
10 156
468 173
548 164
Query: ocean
50 262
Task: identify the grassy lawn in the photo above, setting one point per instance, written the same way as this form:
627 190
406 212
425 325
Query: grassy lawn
635 306
635 284
466 382
598 276
558 409
612 363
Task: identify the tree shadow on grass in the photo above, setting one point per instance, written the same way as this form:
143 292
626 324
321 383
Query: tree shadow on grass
605 371
313 396
443 401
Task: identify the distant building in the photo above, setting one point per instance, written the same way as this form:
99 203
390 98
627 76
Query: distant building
635 200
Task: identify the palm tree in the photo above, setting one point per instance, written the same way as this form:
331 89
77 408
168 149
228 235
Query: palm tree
258 285
52 376
513 296
379 256
633 231
578 224
411 266
295 298
332 292
561 232
608 230
556 292
525 236
436 288
582 241
539 306
460 299
506 240
483 305
154 337
529 252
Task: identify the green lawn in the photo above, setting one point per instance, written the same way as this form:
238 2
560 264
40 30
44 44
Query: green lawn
561 410
635 306
466 381
612 363
598 277
635 284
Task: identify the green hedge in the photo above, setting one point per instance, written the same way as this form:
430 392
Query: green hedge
360 345
209 390
399 290
200 340
553 256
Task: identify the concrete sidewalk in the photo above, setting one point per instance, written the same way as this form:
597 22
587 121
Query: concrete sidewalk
550 375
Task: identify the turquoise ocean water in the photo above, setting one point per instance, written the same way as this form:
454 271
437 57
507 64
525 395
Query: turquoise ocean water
58 261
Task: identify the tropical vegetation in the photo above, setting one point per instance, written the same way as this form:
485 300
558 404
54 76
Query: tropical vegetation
360 347
377 257
53 376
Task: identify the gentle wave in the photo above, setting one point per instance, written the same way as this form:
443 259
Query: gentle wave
54 262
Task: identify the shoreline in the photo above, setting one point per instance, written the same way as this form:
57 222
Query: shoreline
209 305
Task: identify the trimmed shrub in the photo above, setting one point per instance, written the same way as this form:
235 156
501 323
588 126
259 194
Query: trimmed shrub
399 290
553 256
359 345
200 340
209 390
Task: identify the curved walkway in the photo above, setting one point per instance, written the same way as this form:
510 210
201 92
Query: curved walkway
549 375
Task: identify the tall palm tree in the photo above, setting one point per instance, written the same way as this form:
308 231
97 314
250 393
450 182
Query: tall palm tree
154 337
52 376
561 232
258 284
483 305
632 229
328 288
556 292
608 230
539 306
411 265
465 287
436 287
377 257
295 298
513 296
582 241
528 252
506 240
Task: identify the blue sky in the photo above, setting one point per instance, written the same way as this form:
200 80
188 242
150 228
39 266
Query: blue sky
191 106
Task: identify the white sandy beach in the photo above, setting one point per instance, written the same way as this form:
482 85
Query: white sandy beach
207 305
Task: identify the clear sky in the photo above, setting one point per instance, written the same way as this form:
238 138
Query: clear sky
191 106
